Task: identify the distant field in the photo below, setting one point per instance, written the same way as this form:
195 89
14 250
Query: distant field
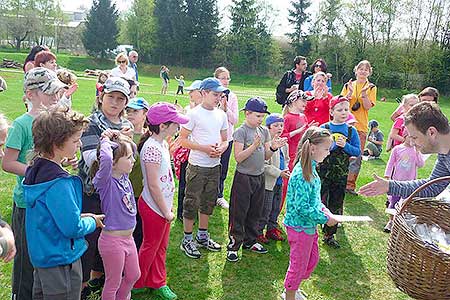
357 271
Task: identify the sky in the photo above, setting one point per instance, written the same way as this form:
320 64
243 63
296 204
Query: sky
280 8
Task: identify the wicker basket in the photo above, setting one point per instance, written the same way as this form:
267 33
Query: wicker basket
417 269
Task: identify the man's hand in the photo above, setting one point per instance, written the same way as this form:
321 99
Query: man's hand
377 187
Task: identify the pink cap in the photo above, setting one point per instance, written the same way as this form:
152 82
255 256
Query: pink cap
351 119
163 112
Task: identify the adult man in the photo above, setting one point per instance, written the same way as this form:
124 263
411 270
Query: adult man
292 80
133 58
430 131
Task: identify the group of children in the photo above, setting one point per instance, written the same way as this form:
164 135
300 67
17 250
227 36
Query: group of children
122 200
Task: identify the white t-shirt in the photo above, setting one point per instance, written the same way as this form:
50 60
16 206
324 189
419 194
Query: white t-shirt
158 153
205 126
130 74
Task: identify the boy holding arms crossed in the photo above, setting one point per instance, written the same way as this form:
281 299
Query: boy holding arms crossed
207 129
252 146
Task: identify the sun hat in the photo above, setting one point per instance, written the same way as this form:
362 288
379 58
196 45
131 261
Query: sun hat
44 79
117 84
138 103
274 118
162 112
256 104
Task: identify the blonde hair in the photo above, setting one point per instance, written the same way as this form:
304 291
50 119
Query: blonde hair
365 63
3 122
313 136
320 73
119 56
66 76
407 97
219 71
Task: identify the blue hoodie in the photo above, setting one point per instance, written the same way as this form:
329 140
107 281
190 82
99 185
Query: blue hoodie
55 232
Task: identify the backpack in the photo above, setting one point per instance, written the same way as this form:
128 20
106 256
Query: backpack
280 93
335 165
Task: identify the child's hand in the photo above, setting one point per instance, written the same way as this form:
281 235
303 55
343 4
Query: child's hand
127 131
73 162
341 141
349 85
278 142
331 221
99 220
169 216
256 141
285 174
72 89
211 150
369 86
109 134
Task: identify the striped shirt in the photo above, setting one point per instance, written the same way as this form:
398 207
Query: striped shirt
406 188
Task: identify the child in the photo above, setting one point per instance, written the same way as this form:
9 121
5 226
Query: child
252 146
207 128
70 79
112 102
41 87
362 96
180 84
116 244
374 141
181 154
333 170
54 228
398 128
304 210
402 165
102 77
3 133
275 170
229 104
156 201
136 110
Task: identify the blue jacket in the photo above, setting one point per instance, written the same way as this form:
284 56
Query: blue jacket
55 231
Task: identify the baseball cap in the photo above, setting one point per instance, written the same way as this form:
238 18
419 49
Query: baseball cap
212 84
43 79
373 124
256 104
138 103
117 84
274 118
195 85
298 94
351 119
3 85
162 112
336 100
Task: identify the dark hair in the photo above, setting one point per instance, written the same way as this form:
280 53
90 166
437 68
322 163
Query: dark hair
427 114
430 91
151 129
298 59
43 57
313 136
35 50
66 121
323 66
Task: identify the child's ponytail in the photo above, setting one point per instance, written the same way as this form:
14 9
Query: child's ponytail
314 135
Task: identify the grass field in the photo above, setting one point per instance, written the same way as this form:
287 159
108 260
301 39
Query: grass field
357 271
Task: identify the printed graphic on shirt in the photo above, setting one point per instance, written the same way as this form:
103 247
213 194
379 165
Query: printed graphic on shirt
129 204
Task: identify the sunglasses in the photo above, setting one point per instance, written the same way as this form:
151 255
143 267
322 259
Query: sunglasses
318 66
121 61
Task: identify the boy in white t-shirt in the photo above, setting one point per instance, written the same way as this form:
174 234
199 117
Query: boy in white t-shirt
207 129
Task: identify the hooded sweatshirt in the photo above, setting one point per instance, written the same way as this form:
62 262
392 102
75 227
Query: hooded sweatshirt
55 231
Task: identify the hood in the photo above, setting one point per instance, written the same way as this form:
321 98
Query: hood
39 177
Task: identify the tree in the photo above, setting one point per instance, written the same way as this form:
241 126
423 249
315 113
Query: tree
20 19
101 30
299 19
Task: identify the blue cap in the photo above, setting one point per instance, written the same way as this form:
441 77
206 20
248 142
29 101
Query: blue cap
274 118
373 124
138 103
195 85
256 104
212 84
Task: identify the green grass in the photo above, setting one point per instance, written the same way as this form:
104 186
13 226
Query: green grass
357 271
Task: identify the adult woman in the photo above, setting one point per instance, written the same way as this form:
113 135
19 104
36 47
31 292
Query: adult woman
29 61
123 70
229 104
45 59
317 66
164 75
318 109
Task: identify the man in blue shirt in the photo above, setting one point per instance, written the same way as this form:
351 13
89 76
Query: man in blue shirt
133 58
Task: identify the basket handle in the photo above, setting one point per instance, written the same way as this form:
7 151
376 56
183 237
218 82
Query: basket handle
419 189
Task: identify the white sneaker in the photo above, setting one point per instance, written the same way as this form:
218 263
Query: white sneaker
222 203
299 295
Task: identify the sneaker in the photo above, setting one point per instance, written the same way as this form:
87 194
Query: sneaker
189 248
256 247
262 239
164 293
232 256
299 295
222 203
208 244
351 192
388 227
274 234
330 241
